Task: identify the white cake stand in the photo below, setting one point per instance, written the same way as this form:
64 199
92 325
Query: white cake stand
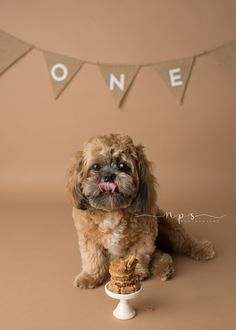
123 310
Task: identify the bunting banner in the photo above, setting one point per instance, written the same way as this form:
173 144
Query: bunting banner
118 79
227 55
175 75
62 69
11 50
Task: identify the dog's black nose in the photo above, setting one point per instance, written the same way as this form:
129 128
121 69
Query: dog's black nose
109 177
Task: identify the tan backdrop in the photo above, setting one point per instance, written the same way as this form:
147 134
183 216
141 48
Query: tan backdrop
192 146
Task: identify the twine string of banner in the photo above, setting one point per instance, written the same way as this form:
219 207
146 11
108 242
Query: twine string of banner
118 77
205 52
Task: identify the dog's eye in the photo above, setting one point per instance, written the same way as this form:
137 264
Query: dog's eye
123 166
96 167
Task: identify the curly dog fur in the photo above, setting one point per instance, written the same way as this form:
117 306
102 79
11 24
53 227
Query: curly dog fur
113 192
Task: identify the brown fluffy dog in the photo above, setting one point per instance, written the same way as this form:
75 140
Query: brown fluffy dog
115 213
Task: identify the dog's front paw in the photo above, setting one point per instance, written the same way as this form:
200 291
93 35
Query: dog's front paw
142 274
86 281
203 250
165 269
163 266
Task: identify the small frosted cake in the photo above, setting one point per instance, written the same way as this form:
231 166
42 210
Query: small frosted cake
123 278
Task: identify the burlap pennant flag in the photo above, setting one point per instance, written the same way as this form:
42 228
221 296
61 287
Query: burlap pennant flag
11 50
61 70
118 78
175 75
227 55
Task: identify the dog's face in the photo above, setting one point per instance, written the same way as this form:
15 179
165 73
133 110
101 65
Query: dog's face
111 173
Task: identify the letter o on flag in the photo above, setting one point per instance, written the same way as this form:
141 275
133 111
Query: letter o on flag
61 67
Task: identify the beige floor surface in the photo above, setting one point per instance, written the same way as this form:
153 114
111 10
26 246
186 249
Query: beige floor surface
39 258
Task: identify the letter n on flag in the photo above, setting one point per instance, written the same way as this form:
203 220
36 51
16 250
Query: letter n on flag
176 75
118 78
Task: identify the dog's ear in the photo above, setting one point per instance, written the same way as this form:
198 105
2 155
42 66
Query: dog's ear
145 200
73 182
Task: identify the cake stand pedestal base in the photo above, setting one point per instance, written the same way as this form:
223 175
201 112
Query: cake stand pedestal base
123 310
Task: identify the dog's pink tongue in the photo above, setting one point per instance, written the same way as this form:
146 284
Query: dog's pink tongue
107 186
